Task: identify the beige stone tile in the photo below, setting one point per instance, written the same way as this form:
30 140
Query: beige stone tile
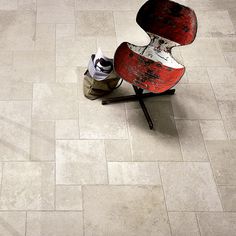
6 58
6 74
230 126
225 91
71 53
27 4
69 198
65 32
137 173
34 66
222 75
161 143
67 129
197 75
217 224
66 74
228 197
15 91
127 30
45 37
27 186
107 43
18 25
195 101
15 123
102 122
191 140
214 23
80 162
189 187
183 224
43 141
12 223
54 223
231 58
227 109
228 44
8 5
202 52
55 101
222 159
125 210
213 130
118 150
61 11
94 23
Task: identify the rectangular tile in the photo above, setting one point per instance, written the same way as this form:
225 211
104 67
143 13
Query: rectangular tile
189 187
67 129
191 140
228 197
125 210
137 173
66 74
80 162
222 159
222 75
217 224
27 186
54 223
12 223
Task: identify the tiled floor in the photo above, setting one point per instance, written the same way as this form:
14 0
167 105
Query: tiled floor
71 167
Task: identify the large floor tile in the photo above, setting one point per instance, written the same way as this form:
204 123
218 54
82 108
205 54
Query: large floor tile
228 197
80 162
191 140
67 129
12 223
161 143
102 122
125 210
183 224
222 75
15 123
222 157
27 186
128 173
18 25
217 224
43 141
189 187
54 224
195 101
225 92
34 66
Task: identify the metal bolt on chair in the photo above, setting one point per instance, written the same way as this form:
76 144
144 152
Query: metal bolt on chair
152 68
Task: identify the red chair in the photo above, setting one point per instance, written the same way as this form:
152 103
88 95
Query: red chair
152 67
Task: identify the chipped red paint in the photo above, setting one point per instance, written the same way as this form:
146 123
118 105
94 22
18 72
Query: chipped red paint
143 72
169 20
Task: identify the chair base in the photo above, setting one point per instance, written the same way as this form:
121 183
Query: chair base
139 95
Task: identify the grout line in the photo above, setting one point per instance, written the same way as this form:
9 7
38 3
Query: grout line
26 219
198 224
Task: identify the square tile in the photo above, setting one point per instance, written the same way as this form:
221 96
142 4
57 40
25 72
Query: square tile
183 223
18 25
223 162
80 162
217 224
12 223
195 101
27 186
118 150
69 198
189 187
43 141
15 124
95 23
162 143
102 122
54 224
34 66
125 210
137 173
191 140
228 197
67 129
213 130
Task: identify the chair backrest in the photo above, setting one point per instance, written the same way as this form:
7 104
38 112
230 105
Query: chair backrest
169 20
